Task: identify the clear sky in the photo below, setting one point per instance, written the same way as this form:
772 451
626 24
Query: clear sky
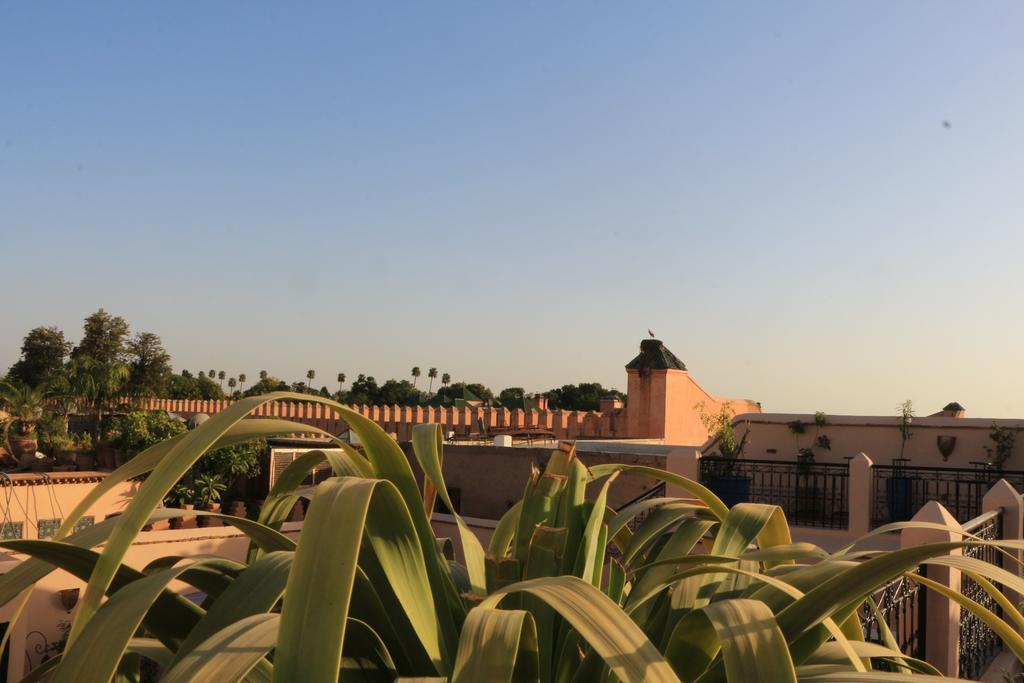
516 192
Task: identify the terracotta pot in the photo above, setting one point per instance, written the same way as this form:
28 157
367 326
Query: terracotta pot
105 458
85 461
66 457
188 522
42 464
205 521
24 445
183 522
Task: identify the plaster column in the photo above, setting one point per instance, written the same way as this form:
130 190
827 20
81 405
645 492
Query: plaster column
684 461
942 637
1004 495
858 495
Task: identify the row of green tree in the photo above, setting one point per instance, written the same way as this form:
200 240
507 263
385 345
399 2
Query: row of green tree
110 362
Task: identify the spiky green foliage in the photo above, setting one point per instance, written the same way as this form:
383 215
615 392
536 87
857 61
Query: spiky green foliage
567 588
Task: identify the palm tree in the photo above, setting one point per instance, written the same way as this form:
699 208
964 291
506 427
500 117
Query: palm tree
232 383
241 380
221 375
415 374
341 380
202 374
310 374
212 374
432 374
446 379
263 374
96 384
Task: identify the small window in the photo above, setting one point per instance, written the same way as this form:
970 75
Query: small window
11 530
48 527
84 523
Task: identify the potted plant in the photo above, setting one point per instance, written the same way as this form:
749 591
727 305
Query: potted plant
1003 439
61 447
42 463
181 497
898 487
24 406
106 456
721 471
208 491
85 458
806 494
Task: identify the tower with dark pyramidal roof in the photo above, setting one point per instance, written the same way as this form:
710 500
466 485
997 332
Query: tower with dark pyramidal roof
663 401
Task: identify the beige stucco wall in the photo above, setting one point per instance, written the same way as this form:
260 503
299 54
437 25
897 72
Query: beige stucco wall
879 437
27 498
492 479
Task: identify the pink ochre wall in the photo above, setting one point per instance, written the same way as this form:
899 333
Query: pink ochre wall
666 404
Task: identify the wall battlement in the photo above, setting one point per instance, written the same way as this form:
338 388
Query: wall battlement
663 402
566 424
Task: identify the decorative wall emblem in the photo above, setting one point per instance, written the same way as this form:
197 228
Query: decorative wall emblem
946 445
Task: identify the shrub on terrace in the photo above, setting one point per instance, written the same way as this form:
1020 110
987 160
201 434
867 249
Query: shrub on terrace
138 430
565 590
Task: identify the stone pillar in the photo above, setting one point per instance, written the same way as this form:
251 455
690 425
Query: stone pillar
684 461
1004 495
942 637
858 495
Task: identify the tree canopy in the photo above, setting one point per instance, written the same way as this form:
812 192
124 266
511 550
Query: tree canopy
196 388
43 353
582 396
104 338
149 366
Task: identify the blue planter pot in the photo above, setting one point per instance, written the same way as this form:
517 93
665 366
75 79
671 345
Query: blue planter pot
731 490
898 498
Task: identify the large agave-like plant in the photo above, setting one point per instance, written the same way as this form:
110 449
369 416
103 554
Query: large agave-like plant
567 589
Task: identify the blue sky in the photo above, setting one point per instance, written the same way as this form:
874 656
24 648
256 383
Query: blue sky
515 193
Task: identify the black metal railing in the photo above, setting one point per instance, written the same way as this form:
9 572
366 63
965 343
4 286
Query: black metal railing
811 494
901 604
900 490
979 644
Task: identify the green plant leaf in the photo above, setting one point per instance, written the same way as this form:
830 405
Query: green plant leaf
426 444
228 654
497 645
504 533
256 590
590 560
94 656
598 620
753 647
319 588
179 457
714 503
